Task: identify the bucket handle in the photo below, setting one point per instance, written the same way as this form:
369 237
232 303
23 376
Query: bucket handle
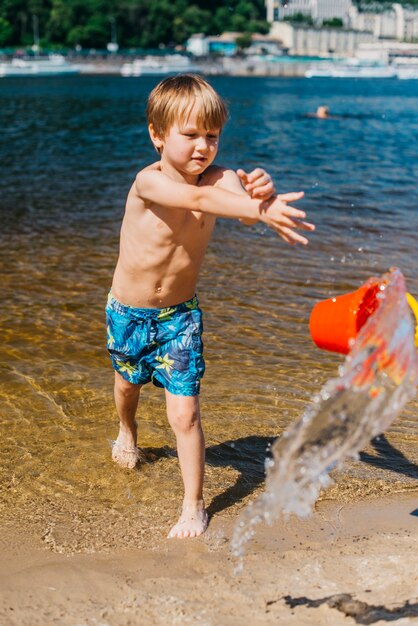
414 306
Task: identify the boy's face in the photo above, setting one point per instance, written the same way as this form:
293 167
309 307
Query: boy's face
188 147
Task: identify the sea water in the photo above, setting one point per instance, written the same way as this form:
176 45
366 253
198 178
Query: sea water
379 376
70 150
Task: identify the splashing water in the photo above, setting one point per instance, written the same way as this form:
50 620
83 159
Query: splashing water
377 379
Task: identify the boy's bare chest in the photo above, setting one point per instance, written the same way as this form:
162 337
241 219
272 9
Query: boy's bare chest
181 226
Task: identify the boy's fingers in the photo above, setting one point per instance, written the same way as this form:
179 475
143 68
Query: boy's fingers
291 237
301 224
257 173
265 191
296 238
288 222
306 226
299 216
291 197
291 211
262 182
242 175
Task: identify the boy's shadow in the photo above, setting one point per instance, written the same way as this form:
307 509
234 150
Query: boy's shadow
247 455
389 458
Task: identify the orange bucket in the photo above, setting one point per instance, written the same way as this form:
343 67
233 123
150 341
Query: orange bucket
337 321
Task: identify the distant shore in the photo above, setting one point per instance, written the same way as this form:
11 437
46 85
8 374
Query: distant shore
212 66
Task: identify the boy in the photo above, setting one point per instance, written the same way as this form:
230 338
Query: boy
154 322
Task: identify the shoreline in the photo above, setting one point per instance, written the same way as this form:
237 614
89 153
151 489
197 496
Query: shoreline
225 66
346 564
239 66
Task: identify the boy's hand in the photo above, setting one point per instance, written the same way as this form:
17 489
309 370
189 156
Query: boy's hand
284 219
257 184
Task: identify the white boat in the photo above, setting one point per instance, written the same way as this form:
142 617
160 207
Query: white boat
53 65
407 73
352 68
157 66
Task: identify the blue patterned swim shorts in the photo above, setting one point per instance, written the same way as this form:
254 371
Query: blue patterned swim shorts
159 345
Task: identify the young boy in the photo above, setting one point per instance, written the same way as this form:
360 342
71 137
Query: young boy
154 323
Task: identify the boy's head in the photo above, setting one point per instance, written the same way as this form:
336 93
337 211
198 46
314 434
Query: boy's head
173 99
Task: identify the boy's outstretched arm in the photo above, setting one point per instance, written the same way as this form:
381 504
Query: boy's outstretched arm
154 187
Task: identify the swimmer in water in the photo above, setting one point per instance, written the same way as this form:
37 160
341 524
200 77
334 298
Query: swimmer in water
322 113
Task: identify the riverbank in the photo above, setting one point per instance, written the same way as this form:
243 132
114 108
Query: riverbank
222 66
347 564
115 65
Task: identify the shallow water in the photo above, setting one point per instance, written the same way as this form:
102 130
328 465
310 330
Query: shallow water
70 150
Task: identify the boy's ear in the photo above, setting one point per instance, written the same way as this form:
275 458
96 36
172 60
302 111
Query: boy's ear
156 140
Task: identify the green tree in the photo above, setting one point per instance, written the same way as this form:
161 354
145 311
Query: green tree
6 32
193 20
243 41
94 33
299 18
335 22
145 23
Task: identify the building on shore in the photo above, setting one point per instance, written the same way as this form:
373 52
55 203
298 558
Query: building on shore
226 45
389 51
303 40
393 22
385 21
318 10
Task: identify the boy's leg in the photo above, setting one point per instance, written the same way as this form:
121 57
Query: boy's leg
183 414
124 450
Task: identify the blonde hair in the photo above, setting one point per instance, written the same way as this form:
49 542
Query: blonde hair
174 97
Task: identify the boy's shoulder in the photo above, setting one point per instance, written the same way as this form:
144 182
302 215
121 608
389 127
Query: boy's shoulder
219 176
148 176
152 167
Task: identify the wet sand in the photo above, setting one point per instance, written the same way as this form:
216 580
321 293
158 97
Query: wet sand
346 564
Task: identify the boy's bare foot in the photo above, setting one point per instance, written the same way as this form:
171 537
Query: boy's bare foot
126 457
124 450
193 522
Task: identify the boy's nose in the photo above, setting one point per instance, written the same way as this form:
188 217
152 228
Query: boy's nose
201 143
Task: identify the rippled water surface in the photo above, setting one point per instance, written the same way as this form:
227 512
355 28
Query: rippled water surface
70 149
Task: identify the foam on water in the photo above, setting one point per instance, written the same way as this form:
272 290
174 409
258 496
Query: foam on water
377 379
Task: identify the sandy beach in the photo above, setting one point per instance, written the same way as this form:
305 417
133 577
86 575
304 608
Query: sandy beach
346 564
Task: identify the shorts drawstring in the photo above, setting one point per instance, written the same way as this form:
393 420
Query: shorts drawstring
149 323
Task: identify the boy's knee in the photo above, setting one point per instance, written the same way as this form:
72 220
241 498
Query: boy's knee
183 422
124 387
